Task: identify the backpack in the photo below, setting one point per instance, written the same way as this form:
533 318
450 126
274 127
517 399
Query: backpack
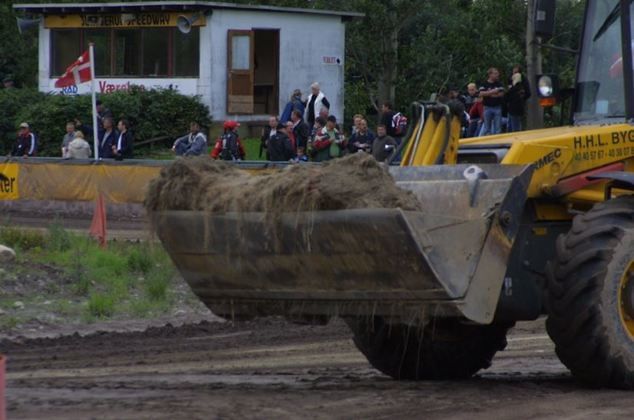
230 149
399 124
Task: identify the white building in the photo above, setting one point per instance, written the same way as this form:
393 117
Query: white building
244 61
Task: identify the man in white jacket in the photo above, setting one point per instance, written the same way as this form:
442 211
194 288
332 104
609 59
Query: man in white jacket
316 101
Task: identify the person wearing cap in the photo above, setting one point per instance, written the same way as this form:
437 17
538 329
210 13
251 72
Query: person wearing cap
295 104
279 145
228 146
79 147
191 144
26 144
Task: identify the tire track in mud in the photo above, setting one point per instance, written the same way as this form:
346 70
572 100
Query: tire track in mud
273 369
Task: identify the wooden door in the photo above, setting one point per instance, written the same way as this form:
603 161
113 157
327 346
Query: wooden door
240 70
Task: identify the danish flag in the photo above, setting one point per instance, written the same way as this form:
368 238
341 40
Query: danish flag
76 73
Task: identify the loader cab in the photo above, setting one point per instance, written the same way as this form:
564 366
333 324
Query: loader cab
604 68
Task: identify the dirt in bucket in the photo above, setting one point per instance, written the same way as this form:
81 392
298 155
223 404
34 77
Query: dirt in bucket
354 182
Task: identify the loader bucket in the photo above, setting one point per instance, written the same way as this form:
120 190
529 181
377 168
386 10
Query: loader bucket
447 260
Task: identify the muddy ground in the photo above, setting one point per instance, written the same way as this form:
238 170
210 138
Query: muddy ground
272 369
200 367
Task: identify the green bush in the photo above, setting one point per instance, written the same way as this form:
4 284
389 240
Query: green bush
11 102
152 113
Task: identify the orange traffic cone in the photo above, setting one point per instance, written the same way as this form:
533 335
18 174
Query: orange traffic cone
98 225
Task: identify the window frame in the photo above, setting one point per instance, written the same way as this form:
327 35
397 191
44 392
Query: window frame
83 46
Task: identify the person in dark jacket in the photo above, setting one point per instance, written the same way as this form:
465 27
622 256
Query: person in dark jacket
108 137
268 131
300 129
122 148
387 115
295 104
279 145
516 97
26 143
361 140
383 145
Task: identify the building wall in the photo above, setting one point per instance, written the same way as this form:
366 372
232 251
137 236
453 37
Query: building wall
312 49
304 42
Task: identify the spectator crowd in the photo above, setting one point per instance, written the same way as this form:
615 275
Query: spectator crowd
306 130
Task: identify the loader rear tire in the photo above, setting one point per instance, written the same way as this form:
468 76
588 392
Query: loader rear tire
443 349
591 295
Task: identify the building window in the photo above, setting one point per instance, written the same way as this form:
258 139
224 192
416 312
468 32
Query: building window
185 57
143 52
103 44
70 42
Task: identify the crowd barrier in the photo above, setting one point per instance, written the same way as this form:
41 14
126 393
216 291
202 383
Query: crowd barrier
55 179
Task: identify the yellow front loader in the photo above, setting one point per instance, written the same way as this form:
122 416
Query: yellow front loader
512 227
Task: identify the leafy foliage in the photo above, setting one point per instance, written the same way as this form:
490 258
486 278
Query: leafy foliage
152 114
401 51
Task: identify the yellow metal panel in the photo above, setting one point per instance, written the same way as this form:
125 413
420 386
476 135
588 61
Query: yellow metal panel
551 211
435 147
120 20
425 142
9 176
53 181
558 153
451 152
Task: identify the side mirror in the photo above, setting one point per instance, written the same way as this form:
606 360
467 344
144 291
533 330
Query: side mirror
547 89
544 18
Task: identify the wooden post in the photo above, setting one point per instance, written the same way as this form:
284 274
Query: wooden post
534 112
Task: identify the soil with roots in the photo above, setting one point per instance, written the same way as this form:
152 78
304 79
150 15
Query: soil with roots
353 182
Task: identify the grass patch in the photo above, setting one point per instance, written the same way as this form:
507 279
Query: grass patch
8 322
157 283
107 282
251 148
101 305
59 239
21 238
140 260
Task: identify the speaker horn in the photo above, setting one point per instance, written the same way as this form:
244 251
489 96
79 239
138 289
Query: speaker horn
26 24
184 24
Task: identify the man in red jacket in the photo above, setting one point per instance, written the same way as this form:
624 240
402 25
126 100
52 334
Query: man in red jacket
228 146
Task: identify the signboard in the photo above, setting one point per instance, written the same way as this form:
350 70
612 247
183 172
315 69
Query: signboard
121 20
331 60
184 86
9 181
